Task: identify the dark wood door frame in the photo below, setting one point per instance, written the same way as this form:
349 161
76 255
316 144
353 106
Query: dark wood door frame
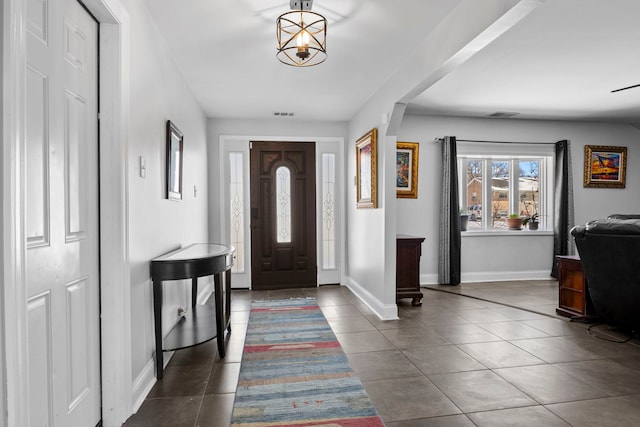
289 264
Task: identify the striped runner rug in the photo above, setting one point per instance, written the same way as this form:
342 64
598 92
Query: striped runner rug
294 372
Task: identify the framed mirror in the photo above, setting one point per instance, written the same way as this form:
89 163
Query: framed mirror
175 142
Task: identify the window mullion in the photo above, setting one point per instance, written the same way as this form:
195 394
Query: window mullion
486 193
514 197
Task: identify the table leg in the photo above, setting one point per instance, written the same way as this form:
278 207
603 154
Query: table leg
227 283
194 291
157 314
217 281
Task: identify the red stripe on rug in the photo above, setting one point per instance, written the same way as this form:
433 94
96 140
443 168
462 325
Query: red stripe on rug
286 380
290 346
286 308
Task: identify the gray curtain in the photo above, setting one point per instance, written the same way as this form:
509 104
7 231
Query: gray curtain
563 219
450 241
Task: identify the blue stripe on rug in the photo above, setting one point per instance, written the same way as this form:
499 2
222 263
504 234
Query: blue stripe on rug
294 372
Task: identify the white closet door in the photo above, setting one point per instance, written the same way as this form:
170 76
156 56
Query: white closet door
62 214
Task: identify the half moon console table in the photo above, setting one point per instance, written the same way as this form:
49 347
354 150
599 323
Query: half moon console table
204 321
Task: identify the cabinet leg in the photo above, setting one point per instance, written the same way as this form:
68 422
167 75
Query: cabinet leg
416 302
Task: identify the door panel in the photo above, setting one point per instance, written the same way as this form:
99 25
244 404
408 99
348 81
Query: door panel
283 235
40 363
62 214
37 226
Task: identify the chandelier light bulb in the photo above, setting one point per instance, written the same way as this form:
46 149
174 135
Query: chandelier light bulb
302 42
303 39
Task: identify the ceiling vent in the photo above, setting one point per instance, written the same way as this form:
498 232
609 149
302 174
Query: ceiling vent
503 114
282 114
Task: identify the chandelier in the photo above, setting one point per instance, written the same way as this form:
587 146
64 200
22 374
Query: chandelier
301 35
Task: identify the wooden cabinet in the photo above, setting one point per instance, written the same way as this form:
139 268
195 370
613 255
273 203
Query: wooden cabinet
573 293
408 252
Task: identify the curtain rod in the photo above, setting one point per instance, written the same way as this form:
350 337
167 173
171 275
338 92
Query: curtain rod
501 142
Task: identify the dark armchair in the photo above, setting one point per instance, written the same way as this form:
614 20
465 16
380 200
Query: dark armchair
610 253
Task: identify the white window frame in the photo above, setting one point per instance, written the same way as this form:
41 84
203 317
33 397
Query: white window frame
513 153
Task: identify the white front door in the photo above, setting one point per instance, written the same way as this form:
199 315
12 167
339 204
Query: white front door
62 215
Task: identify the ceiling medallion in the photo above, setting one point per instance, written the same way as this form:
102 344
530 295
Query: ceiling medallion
302 35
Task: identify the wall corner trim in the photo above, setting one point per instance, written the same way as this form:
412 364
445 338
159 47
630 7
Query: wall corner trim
383 311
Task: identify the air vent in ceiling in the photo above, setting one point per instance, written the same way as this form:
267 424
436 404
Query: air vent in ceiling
281 114
503 114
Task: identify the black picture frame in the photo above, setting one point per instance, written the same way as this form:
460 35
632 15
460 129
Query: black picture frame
175 149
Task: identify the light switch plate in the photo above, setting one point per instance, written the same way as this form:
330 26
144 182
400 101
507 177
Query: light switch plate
143 167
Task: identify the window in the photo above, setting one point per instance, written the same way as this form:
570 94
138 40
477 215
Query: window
236 213
328 211
283 205
495 184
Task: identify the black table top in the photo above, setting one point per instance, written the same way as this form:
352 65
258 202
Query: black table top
195 260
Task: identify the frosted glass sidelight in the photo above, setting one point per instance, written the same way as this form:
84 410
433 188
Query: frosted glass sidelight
236 214
328 211
283 205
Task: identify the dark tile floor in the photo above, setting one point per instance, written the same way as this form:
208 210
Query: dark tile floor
454 361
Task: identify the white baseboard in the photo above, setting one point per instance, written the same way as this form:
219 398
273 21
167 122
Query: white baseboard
144 382
504 276
428 279
383 311
491 276
142 385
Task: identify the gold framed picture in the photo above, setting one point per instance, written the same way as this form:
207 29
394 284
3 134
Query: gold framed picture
605 166
407 170
366 170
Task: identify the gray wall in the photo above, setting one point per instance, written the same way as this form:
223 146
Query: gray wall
158 92
514 256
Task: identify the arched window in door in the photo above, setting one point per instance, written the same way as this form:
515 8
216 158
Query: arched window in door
283 205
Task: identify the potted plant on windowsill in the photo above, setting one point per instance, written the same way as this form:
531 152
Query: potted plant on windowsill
515 221
464 220
533 221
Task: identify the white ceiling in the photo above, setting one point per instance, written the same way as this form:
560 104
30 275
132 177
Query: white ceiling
560 62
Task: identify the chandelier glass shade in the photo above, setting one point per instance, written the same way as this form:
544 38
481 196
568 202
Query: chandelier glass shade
302 38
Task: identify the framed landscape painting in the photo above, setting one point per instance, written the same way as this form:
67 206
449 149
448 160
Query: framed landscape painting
407 170
605 166
366 170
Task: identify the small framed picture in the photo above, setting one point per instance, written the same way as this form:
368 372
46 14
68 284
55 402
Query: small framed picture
407 170
605 166
366 170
